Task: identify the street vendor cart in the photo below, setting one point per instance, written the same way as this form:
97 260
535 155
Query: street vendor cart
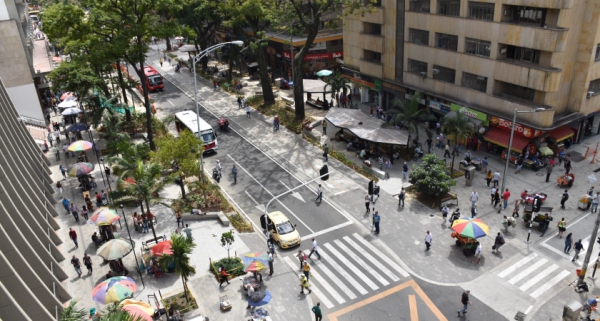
469 244
584 202
466 232
530 216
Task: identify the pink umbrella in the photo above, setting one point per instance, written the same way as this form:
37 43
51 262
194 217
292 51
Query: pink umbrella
65 95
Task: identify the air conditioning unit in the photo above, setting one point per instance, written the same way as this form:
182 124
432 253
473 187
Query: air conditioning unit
436 71
590 94
423 74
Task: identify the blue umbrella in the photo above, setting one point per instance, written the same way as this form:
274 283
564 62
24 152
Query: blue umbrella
259 298
324 73
77 127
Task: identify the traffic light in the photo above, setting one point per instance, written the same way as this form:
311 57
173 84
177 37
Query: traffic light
324 173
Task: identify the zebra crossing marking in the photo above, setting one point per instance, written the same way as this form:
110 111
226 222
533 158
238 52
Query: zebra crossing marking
352 267
549 284
323 281
538 277
371 258
360 262
517 265
337 281
527 271
382 256
343 272
315 289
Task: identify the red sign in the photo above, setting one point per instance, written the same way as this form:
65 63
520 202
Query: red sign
519 129
317 56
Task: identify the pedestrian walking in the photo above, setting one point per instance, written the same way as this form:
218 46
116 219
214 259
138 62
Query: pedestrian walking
368 203
428 240
317 311
107 172
57 136
404 171
505 197
388 167
326 152
595 200
496 198
429 141
314 249
87 261
74 212
505 223
59 187
63 171
160 61
567 164
484 166
519 164
464 299
578 246
380 161
488 178
98 199
77 265
214 85
477 255
548 172
304 284
234 171
56 153
50 139
568 243
224 276
247 111
401 197
493 192
563 199
319 194
301 257
239 102
276 123
376 220
474 197
324 122
306 269
496 178
474 210
84 212
66 150
271 260
562 227
73 237
498 242
447 151
178 218
66 203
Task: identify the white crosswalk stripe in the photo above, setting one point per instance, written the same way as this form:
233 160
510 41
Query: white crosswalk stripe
369 257
352 267
533 275
360 262
315 289
342 272
380 254
325 285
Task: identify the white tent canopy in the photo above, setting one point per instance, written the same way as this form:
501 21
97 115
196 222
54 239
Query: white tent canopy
365 127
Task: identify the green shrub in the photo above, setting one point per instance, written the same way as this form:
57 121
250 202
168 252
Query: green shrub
233 266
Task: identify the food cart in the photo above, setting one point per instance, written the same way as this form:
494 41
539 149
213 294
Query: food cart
584 202
530 216
466 231
469 244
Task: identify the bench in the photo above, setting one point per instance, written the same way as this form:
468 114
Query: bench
314 103
450 197
147 245
260 93
376 171
206 216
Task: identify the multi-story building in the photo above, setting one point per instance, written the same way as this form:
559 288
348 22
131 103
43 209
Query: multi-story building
484 59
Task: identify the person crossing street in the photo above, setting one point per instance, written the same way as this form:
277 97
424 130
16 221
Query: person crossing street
319 194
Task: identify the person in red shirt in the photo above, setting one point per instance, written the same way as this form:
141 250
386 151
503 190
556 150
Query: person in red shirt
224 276
524 194
73 237
505 197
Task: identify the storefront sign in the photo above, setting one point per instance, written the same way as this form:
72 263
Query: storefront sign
438 106
378 84
468 112
519 129
316 56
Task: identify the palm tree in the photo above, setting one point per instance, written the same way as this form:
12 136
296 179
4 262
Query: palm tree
112 313
142 184
129 155
180 259
408 113
73 313
459 126
112 123
338 83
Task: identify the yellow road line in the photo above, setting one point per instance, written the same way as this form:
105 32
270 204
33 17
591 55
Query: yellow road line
414 312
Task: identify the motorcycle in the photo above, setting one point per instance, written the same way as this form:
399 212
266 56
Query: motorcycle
178 68
455 215
216 174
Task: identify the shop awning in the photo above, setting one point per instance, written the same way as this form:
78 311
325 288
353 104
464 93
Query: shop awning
561 133
365 127
501 137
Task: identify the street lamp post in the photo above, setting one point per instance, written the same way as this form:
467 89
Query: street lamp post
195 60
510 141
132 245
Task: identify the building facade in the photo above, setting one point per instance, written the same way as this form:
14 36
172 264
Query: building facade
484 58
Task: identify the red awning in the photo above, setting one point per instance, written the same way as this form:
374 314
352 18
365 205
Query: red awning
501 137
561 133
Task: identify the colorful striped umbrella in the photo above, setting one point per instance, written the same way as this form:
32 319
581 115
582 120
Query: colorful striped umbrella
255 262
80 169
470 227
114 249
162 248
104 216
114 289
138 309
80 146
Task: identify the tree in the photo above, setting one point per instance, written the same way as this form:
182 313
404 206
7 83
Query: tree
408 114
460 127
130 154
73 313
430 177
337 83
227 240
112 124
171 150
112 313
180 259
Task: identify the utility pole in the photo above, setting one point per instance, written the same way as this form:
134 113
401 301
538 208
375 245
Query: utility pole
588 254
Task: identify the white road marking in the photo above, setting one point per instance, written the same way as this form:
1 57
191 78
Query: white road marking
333 277
316 290
527 271
171 103
294 194
352 267
342 272
327 230
549 284
323 281
538 277
517 265
362 263
369 257
382 256
266 190
260 207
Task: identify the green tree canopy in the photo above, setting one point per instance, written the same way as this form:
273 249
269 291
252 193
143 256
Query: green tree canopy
180 259
459 127
409 114
337 83
227 239
169 149
430 177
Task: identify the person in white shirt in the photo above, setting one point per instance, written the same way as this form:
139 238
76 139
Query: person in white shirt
477 254
315 249
474 197
428 239
319 194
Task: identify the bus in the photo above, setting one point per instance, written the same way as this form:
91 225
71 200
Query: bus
188 120
154 81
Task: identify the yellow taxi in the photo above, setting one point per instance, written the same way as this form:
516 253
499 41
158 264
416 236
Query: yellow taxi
282 230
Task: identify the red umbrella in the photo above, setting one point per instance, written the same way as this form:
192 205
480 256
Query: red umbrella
162 248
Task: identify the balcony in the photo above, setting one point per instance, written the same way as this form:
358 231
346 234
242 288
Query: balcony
371 68
544 39
550 4
528 75
371 42
374 17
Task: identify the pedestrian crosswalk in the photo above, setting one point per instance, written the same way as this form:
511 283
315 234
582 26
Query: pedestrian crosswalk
350 267
533 275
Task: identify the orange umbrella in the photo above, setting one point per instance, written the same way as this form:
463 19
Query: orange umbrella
162 248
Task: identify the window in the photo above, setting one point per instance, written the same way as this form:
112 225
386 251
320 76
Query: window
372 56
597 52
477 47
445 41
418 36
372 28
417 67
449 7
472 81
595 86
419 6
523 54
527 15
516 91
444 74
481 10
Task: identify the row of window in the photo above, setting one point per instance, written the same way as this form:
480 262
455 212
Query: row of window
448 75
450 42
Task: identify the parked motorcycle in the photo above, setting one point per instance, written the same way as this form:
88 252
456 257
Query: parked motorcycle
455 215
216 174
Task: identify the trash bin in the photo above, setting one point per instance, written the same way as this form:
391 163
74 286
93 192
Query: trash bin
572 311
469 175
